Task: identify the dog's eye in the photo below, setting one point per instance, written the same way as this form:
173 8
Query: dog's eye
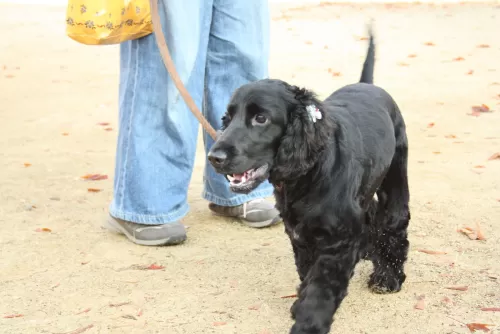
260 119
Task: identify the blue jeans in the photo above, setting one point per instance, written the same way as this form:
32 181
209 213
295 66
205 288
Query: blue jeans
217 46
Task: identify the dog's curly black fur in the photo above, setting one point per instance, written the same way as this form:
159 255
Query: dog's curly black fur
326 173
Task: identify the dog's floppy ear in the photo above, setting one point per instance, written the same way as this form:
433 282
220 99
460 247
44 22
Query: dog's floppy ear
305 136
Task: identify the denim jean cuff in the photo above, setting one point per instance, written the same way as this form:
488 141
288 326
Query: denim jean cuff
159 219
238 199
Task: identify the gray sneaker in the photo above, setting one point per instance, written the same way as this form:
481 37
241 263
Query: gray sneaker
257 213
149 235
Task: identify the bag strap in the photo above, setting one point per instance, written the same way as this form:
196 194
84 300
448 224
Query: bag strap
169 64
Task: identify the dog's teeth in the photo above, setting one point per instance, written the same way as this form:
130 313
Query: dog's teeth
230 177
244 178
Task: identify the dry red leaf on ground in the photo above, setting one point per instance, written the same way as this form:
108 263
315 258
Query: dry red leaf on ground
65 134
95 177
495 156
420 305
155 267
79 330
431 125
450 136
479 166
108 129
457 288
436 152
219 323
490 309
361 38
290 296
27 164
103 123
10 316
483 46
43 229
429 44
118 304
333 73
84 311
94 190
9 76
470 72
474 326
458 59
412 55
446 300
431 252
255 307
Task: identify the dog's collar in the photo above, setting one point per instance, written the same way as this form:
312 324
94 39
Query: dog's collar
314 113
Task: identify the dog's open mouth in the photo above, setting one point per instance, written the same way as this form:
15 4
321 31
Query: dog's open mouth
249 180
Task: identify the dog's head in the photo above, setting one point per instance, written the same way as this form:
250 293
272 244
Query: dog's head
270 130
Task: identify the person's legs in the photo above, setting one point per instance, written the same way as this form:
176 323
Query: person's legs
158 133
238 53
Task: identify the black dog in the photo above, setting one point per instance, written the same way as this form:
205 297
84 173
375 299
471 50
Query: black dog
326 161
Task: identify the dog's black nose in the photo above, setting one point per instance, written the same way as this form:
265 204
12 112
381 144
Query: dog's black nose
217 158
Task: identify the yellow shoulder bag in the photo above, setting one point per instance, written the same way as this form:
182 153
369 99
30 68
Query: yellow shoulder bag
100 22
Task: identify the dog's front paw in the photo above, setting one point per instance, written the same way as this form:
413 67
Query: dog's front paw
386 281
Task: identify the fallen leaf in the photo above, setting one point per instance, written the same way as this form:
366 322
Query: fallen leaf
490 309
10 316
403 64
155 267
118 304
65 134
9 76
27 164
333 73
479 166
79 330
94 177
431 252
219 323
43 229
108 129
457 288
255 307
495 156
483 46
84 311
480 235
429 44
94 190
103 123
412 55
446 300
129 316
431 125
477 110
290 296
420 305
450 136
84 262
478 327
470 72
361 38
139 313
436 152
458 59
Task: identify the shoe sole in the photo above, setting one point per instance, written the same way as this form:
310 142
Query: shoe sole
267 223
173 240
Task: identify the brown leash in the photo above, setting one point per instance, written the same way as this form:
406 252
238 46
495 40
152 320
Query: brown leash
169 64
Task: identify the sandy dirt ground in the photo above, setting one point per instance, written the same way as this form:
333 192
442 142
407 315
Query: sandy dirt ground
227 278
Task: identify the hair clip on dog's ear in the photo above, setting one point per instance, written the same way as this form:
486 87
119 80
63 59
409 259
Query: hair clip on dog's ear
314 113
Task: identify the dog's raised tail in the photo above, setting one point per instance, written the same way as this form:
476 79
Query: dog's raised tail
368 66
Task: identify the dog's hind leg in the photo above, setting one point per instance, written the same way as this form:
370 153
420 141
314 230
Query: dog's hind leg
390 249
